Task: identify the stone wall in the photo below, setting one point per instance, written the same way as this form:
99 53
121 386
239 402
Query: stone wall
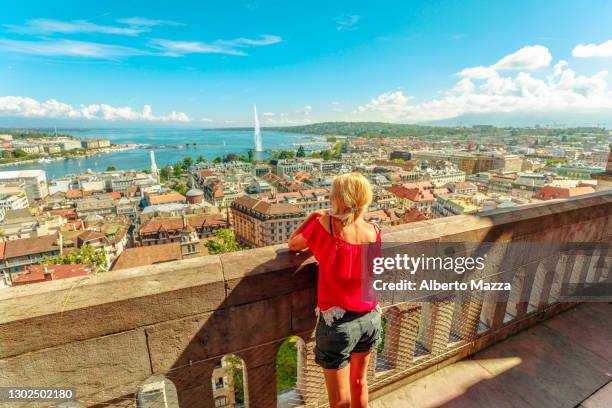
106 334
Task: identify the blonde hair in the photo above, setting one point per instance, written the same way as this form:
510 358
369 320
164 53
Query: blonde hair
352 194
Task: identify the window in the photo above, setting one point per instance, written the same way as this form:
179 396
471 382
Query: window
221 401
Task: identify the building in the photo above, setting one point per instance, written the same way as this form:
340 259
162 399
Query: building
508 162
195 196
43 273
35 182
604 178
400 154
70 144
290 166
260 223
526 184
18 254
156 231
447 205
165 198
553 192
308 200
471 164
102 205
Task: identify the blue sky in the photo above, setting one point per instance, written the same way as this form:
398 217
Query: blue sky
205 63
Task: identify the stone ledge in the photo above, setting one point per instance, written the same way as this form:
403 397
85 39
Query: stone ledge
132 298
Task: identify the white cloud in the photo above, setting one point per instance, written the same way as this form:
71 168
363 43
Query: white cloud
132 26
562 90
347 22
335 103
229 47
306 110
173 48
269 114
69 48
527 58
602 50
20 106
147 22
43 26
160 47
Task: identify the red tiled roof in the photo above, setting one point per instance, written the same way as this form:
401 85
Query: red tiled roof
31 246
168 224
115 195
166 198
265 207
551 192
74 194
36 273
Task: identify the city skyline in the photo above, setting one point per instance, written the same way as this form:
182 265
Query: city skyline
203 65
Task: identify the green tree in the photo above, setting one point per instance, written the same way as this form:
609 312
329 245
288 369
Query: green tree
165 173
327 154
251 154
111 168
286 365
217 160
301 152
19 153
224 241
87 254
181 188
177 169
236 370
332 139
201 159
187 162
286 154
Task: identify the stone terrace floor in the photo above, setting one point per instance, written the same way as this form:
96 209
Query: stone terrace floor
564 362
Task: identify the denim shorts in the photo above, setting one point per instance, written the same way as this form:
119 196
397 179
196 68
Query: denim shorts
352 333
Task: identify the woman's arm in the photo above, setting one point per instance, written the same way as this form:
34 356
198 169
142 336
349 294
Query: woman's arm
297 242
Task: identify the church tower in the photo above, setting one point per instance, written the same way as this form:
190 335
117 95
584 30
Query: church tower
154 169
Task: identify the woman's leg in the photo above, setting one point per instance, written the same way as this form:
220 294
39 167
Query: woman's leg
338 387
358 379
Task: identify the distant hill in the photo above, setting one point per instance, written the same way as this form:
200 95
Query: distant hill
381 129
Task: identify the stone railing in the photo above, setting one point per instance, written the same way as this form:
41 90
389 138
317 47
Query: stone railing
105 335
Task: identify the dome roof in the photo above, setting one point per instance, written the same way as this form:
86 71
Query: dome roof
194 192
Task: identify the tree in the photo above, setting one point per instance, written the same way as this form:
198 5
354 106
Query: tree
111 168
87 254
224 241
286 365
332 139
178 169
201 159
187 162
181 188
165 173
18 153
286 154
251 154
301 152
327 154
236 370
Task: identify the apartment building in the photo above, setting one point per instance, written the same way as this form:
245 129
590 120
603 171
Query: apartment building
35 182
260 223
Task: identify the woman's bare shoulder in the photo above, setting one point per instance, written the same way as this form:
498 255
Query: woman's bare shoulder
324 221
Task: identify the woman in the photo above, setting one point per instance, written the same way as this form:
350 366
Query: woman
349 324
